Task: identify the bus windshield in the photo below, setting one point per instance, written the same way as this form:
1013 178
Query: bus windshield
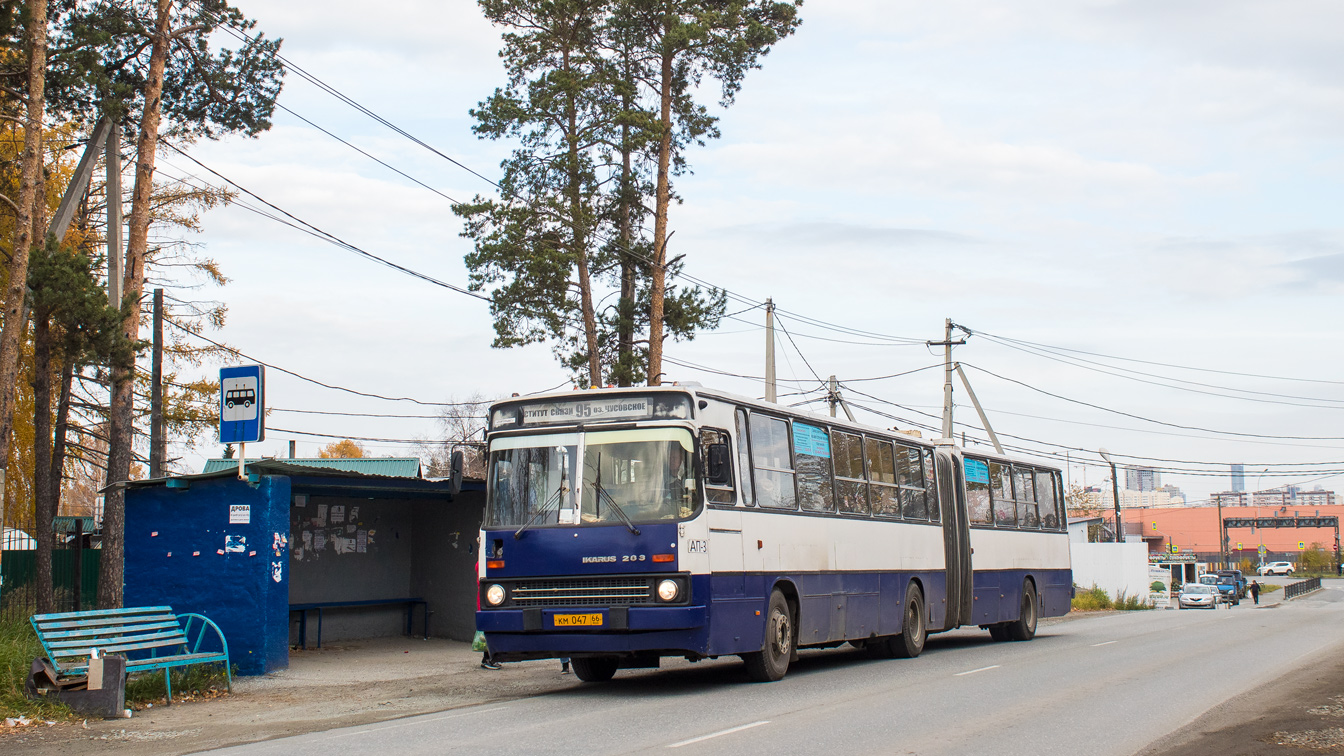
579 479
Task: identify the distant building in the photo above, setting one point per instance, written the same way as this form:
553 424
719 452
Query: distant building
1102 497
1176 494
1142 479
1238 478
1229 499
1317 498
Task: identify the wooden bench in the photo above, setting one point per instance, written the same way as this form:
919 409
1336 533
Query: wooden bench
303 610
150 637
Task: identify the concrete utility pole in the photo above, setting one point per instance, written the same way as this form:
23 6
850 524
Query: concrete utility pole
113 161
158 446
947 343
833 397
984 419
1115 492
770 395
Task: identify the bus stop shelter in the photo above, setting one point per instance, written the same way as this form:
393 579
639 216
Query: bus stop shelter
347 534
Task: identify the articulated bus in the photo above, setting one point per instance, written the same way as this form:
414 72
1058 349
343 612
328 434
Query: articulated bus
626 525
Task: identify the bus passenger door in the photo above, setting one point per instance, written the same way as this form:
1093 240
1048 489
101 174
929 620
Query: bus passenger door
956 538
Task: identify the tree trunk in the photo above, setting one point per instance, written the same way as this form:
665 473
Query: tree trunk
625 309
122 420
580 238
661 198
30 175
43 511
56 474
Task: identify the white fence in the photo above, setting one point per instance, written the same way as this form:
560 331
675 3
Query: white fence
1112 567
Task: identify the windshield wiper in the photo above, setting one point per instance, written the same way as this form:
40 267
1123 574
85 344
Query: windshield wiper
546 505
602 494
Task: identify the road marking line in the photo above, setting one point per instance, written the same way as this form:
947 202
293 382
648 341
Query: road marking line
728 731
973 671
1107 643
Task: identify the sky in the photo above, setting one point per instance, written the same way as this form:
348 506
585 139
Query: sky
1147 180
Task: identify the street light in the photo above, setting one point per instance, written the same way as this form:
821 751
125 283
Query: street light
1115 491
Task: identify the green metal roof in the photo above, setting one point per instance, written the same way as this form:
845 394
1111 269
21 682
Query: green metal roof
64 524
389 467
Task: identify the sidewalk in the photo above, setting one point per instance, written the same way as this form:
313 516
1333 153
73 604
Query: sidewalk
339 685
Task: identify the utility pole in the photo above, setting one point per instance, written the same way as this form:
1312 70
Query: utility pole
984 419
770 351
833 396
1115 492
113 161
947 343
158 447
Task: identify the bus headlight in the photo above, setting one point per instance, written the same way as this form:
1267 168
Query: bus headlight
494 595
668 590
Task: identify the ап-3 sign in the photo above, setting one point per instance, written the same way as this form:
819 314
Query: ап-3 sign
242 404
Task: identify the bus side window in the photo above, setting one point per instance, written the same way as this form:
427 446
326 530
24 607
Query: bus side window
931 486
851 490
716 494
1045 499
1061 506
812 462
910 474
882 479
977 492
744 458
772 462
1001 495
1024 487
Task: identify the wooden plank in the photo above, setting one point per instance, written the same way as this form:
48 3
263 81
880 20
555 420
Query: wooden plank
93 632
100 613
65 648
44 627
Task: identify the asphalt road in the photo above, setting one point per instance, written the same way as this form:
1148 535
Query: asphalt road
1100 685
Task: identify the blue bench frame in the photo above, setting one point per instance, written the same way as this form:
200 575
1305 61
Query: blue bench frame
303 610
68 638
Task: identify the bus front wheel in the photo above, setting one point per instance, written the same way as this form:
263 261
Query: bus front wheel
596 669
772 661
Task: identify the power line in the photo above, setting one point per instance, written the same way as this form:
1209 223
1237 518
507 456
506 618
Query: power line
1162 364
1101 368
1149 419
327 236
314 380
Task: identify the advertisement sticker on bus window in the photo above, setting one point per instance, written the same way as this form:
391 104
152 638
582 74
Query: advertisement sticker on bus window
976 471
811 441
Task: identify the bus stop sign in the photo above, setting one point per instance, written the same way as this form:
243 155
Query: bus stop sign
242 403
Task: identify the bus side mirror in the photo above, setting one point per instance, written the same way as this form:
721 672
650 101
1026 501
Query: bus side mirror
455 472
719 465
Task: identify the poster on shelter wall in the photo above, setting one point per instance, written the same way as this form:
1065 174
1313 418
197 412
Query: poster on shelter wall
235 544
362 541
240 514
338 514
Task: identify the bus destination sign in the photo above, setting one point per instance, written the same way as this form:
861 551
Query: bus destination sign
623 408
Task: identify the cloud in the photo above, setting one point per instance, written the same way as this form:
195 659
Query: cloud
842 234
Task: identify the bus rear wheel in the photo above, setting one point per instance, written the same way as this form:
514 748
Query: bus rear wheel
910 643
596 669
772 661
1024 628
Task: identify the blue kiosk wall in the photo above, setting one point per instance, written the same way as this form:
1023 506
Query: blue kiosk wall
195 559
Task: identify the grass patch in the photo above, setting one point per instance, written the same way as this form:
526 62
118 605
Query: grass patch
18 648
189 683
1095 599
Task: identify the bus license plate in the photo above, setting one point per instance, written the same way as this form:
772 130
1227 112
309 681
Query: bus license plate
578 620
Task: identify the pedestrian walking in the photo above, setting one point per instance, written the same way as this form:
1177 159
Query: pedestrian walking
1255 591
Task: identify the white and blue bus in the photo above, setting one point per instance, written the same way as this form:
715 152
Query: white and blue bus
626 525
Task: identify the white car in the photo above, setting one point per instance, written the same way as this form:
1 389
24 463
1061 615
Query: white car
1277 568
1198 595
